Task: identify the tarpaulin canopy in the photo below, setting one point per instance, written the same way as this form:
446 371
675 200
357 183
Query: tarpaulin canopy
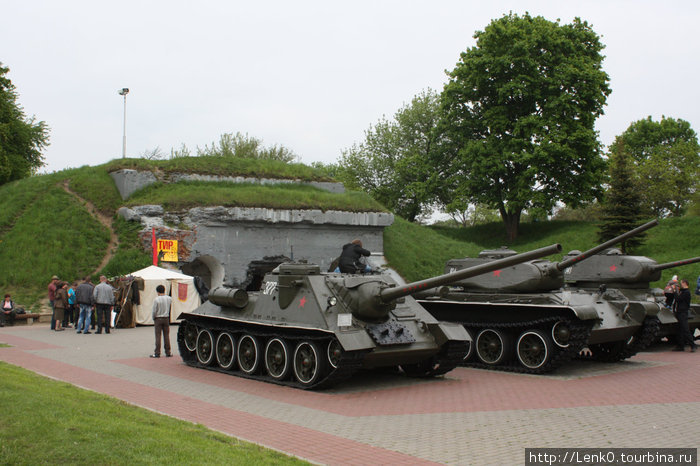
177 285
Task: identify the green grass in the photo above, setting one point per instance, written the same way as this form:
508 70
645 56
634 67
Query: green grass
49 422
95 185
130 256
224 166
17 196
185 195
53 235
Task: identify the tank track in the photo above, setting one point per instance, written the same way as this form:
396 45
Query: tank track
350 362
449 357
621 350
579 333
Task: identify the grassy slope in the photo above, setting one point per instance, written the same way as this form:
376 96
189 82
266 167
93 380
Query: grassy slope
45 231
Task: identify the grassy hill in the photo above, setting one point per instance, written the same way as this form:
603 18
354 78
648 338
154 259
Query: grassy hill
46 226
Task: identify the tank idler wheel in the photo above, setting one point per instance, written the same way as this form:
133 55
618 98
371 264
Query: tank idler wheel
249 354
335 352
277 360
205 347
492 346
309 367
225 350
190 336
561 334
534 349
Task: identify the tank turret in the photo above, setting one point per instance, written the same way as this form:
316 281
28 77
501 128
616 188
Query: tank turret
618 270
524 317
533 276
309 329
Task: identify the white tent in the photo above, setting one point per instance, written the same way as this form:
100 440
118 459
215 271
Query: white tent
177 285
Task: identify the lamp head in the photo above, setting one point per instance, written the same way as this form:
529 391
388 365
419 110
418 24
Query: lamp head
124 91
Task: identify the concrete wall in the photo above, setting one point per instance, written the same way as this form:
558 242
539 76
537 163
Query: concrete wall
129 181
229 240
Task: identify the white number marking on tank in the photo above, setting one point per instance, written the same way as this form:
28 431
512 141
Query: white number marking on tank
270 288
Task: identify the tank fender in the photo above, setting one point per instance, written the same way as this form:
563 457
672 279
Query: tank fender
355 340
584 312
447 331
651 308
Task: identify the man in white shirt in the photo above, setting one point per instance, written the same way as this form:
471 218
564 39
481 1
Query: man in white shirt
161 320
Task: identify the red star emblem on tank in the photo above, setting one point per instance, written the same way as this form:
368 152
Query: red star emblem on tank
496 273
302 301
613 268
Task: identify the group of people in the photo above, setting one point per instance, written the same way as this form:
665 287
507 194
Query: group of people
678 300
81 305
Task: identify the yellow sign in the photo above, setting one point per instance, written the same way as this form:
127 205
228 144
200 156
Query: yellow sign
169 249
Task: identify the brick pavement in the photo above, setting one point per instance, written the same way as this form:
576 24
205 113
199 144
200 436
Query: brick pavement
468 417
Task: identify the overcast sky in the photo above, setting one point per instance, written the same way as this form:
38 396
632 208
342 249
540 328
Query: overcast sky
309 75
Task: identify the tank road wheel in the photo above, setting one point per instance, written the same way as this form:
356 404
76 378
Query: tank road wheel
277 359
335 352
249 354
492 346
561 334
534 349
308 365
225 350
190 332
205 347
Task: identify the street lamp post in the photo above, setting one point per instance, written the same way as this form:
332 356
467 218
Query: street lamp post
124 92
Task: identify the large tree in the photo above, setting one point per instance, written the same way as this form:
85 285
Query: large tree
519 110
21 138
666 155
392 164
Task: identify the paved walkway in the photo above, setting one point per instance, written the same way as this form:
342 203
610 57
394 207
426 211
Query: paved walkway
468 417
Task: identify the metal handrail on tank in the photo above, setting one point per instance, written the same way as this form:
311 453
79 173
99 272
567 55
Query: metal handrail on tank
390 294
584 255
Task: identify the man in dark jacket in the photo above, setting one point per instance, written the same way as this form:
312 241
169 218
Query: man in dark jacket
83 296
349 261
682 305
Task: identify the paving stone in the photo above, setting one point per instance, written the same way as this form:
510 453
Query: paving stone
468 417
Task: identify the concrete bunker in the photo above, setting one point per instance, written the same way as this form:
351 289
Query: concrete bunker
210 270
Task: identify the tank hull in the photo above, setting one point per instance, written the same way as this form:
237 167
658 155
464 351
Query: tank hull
290 334
529 327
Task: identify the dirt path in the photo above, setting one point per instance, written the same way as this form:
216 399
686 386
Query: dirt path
104 220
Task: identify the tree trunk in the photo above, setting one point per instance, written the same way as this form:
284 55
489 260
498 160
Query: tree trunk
511 221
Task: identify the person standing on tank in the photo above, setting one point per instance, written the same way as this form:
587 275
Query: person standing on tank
161 321
103 294
349 261
682 305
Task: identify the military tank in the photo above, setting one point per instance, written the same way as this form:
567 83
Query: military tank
631 275
522 318
309 329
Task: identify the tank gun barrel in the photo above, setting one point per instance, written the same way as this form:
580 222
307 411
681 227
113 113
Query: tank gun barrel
585 255
390 294
669 265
